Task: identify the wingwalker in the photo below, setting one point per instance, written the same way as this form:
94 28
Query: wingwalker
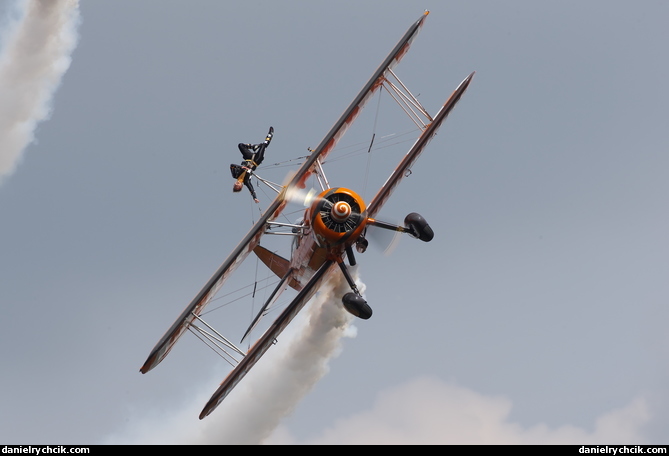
334 222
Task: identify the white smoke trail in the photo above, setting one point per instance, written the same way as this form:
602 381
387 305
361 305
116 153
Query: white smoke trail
291 369
36 53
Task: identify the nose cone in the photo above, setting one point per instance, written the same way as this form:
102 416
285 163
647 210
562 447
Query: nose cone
341 211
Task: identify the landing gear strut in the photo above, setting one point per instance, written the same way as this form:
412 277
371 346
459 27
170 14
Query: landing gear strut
414 225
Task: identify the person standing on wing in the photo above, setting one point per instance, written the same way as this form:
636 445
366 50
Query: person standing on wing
253 155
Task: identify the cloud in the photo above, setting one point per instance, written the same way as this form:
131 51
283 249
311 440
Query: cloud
427 410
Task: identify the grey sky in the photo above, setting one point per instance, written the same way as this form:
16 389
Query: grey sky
537 313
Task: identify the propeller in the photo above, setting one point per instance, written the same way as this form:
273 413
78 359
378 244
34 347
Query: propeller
383 240
301 196
383 236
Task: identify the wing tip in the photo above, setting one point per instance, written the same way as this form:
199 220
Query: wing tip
211 405
151 362
145 367
468 79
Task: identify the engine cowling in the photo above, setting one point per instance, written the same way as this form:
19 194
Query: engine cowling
338 215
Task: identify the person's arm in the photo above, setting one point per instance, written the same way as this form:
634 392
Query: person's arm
249 185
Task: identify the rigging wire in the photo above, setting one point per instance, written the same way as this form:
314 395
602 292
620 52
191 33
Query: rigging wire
362 147
255 286
232 292
369 149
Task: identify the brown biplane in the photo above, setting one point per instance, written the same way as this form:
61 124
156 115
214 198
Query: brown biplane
334 223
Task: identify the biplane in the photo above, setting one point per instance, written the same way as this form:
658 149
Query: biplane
334 223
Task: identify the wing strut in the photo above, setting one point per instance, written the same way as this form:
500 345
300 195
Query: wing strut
422 141
216 341
407 101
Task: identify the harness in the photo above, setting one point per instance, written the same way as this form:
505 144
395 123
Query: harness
251 165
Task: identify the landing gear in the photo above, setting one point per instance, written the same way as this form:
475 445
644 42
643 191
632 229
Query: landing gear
418 227
356 305
414 225
353 301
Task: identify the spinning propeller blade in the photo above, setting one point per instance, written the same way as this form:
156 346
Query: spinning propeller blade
382 239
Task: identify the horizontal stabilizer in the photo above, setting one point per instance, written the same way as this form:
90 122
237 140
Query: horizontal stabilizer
277 264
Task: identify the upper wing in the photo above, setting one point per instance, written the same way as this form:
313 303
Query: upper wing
411 156
339 128
252 239
267 339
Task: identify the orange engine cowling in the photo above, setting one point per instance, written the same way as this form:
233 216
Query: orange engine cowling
338 216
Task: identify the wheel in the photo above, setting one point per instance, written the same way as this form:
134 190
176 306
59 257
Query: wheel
357 306
418 227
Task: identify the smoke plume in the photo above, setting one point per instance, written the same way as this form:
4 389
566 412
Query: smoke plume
270 391
38 42
273 389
